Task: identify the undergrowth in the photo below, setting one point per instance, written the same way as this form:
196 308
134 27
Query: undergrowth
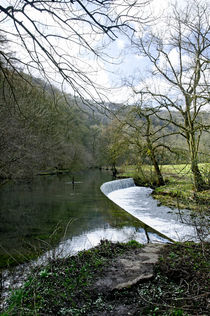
66 286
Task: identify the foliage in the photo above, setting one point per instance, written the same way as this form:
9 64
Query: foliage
187 265
68 280
114 145
66 286
40 130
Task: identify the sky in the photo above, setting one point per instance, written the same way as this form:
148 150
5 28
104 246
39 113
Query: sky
135 66
117 65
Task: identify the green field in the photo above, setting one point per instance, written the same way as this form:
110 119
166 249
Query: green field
178 190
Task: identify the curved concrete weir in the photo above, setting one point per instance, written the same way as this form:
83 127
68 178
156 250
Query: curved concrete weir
138 202
111 186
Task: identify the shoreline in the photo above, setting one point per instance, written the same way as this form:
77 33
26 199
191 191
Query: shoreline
69 286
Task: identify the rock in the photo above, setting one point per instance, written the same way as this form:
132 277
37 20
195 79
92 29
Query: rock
130 268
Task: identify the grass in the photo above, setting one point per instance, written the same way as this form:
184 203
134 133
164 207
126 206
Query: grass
178 190
179 287
8 260
66 287
174 172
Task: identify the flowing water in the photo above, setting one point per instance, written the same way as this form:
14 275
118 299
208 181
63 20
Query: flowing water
137 201
29 213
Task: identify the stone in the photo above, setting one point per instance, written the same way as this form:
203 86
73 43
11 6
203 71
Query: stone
129 269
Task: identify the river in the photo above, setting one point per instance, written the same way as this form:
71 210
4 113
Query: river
76 216
176 224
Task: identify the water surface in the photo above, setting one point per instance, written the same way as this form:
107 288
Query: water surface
173 223
29 213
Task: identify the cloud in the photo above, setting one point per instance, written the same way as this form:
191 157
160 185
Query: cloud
81 65
120 43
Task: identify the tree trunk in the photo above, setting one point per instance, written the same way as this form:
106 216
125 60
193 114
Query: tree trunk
151 152
159 176
198 182
193 145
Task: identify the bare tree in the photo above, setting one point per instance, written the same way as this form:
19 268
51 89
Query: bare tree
65 36
139 120
148 134
179 54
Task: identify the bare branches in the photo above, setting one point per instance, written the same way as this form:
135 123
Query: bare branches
67 37
179 59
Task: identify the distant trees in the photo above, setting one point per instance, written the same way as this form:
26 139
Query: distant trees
67 37
179 56
61 41
114 146
39 131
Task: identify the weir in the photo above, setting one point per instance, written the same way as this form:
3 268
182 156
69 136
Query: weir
173 223
110 186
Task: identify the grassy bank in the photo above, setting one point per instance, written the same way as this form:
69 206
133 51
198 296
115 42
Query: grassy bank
178 190
67 286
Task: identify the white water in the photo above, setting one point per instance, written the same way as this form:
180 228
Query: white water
70 247
138 201
111 186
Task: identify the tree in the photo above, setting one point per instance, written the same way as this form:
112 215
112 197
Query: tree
39 131
179 54
65 37
139 120
146 133
114 144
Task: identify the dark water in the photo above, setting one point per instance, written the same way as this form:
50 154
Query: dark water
30 213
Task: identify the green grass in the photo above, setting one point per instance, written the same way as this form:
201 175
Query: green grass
181 171
66 286
178 190
63 286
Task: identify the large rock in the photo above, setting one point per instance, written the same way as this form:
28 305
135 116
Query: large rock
130 268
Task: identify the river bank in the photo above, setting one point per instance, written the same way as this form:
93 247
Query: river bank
68 286
38 216
178 190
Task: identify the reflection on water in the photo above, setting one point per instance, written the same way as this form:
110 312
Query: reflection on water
30 212
93 238
74 245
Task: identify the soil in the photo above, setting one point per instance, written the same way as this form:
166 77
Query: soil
120 279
